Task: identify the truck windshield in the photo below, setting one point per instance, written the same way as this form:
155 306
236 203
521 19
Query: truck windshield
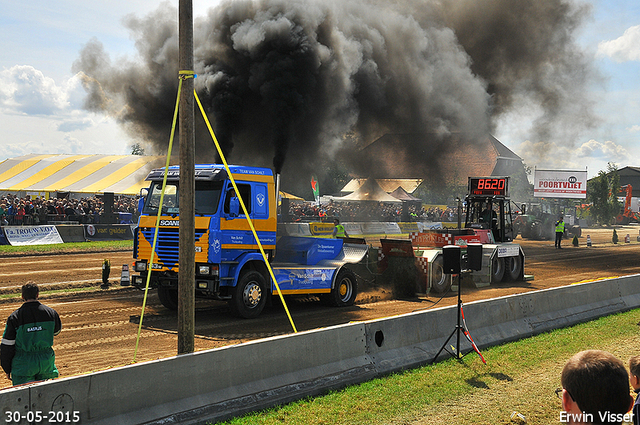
207 197
169 203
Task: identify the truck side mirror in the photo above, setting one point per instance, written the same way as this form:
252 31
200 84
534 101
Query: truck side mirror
143 194
234 207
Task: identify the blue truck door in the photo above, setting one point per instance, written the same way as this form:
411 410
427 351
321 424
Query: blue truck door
261 202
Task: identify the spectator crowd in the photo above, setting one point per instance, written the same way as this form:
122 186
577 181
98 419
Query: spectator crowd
15 211
369 211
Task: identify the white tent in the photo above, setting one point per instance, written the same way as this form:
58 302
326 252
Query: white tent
369 191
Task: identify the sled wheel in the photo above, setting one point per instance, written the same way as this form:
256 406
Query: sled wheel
513 267
440 282
497 269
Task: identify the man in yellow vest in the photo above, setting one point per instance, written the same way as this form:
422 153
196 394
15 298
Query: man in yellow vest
559 232
339 230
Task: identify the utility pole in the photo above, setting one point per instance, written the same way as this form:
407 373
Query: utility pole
187 274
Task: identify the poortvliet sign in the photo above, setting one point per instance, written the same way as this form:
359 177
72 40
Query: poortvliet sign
560 184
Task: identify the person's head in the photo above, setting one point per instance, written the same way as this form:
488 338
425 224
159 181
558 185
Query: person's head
634 372
595 382
30 291
336 221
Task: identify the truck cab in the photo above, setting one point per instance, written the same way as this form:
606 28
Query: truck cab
224 242
229 265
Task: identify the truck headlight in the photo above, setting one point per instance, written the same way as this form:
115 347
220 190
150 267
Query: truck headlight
141 266
207 270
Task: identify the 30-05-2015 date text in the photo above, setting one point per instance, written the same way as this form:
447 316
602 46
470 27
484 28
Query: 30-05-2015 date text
37 417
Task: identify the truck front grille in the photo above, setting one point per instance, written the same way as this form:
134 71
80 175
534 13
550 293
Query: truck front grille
167 244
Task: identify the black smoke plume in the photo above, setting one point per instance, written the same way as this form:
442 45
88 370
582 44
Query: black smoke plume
300 84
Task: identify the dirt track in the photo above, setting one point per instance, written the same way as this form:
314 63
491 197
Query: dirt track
100 327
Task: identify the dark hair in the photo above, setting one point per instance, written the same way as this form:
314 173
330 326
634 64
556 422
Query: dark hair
30 291
598 382
634 365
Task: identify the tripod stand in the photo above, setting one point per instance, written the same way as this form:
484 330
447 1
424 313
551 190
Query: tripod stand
461 326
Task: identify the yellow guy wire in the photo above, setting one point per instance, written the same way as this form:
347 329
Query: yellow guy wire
244 209
182 76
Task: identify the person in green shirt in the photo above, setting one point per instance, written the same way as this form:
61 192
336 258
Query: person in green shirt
26 352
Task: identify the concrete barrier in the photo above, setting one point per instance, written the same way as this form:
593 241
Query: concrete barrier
217 384
209 385
414 339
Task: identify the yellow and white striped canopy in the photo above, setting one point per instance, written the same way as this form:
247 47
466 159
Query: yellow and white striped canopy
120 174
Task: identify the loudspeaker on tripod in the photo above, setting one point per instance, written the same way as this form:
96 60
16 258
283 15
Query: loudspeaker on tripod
474 256
451 259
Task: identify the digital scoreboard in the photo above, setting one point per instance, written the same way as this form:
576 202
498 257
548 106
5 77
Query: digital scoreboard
488 186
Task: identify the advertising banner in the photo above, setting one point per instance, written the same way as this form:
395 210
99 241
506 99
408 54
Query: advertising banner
353 229
391 229
321 229
411 227
108 231
560 184
32 235
373 228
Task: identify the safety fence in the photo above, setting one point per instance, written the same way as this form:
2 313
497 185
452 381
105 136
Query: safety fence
216 384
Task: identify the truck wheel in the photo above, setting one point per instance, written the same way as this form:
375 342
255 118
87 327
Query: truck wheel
513 267
344 291
497 269
250 295
440 282
168 297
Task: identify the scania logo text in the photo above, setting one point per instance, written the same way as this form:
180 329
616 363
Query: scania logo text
169 222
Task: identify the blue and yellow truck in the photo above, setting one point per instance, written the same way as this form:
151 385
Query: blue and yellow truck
229 265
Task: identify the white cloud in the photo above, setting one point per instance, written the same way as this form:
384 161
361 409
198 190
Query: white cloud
612 151
73 125
25 90
633 129
553 155
624 48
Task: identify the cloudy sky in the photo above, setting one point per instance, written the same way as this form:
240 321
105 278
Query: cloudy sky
41 100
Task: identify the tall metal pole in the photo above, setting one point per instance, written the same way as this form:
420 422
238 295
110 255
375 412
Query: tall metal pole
186 277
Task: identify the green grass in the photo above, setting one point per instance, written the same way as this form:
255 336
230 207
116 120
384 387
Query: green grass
67 247
519 376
